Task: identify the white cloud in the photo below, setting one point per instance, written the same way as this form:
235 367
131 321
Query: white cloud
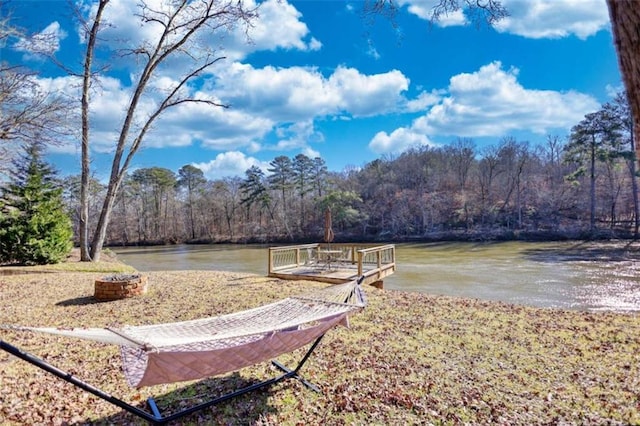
399 140
45 42
263 101
423 101
424 10
290 99
270 108
311 153
491 102
532 18
299 94
278 26
231 163
214 127
612 91
372 51
296 135
283 94
554 18
368 95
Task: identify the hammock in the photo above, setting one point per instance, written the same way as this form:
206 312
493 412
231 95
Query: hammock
190 350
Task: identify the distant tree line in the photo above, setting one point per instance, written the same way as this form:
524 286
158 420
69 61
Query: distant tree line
575 187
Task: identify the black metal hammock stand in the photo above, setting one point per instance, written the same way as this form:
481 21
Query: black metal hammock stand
153 354
155 417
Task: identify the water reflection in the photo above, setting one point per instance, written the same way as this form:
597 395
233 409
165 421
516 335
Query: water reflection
595 276
217 257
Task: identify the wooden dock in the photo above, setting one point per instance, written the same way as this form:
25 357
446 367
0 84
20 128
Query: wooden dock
333 263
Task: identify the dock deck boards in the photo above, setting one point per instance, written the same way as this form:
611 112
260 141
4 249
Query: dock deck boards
334 274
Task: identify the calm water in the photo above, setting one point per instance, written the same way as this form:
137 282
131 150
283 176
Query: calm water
562 275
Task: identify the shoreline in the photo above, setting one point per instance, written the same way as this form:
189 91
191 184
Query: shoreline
454 236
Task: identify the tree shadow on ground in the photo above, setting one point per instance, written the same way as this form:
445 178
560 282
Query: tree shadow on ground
243 409
79 301
586 251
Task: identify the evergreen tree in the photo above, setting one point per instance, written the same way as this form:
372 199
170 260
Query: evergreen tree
34 226
254 190
319 174
191 178
281 179
302 167
595 138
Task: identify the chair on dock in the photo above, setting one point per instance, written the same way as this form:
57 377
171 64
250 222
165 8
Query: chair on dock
312 257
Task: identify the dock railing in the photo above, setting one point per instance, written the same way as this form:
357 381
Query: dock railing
288 257
375 262
382 258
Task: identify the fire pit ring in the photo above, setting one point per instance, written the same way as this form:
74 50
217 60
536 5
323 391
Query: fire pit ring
120 286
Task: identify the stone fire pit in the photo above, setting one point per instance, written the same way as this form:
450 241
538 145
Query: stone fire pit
120 286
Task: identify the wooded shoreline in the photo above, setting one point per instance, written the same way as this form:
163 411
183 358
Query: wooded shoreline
442 236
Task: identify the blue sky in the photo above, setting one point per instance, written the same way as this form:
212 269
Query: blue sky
319 79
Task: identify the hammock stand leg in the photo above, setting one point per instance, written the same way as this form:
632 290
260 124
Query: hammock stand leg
40 363
294 373
156 417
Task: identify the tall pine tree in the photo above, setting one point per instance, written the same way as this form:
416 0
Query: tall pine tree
34 227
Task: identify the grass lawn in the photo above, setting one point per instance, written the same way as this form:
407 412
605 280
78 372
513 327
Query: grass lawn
408 358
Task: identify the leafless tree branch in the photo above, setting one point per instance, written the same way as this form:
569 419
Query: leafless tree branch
180 22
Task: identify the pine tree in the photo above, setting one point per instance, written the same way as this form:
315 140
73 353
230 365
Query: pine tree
596 138
34 227
254 191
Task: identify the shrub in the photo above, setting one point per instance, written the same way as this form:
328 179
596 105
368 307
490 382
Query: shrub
34 227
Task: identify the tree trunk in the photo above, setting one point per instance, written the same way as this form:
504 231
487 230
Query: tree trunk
625 25
125 234
191 219
85 254
592 186
101 227
634 186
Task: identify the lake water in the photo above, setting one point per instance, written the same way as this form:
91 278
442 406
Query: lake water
571 275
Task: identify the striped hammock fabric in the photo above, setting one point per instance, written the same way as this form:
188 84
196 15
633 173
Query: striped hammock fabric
190 350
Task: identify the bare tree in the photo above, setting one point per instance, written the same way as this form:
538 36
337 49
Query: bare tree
479 11
30 112
183 23
487 172
461 154
228 191
619 110
513 157
85 253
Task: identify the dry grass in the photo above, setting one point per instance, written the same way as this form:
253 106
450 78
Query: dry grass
108 263
407 359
